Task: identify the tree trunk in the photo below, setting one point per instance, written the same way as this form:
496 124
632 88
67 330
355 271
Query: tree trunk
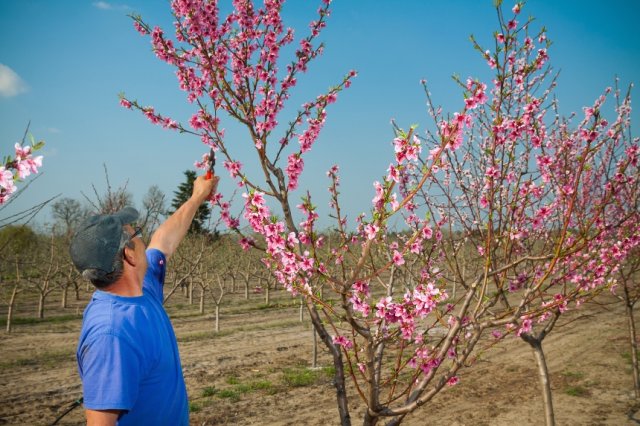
339 376
41 300
217 318
246 290
190 292
202 302
370 420
634 349
63 301
76 289
314 352
545 384
266 295
12 302
301 310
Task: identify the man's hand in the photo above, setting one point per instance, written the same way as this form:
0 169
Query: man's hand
169 235
204 189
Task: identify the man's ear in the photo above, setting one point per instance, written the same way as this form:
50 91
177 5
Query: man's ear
129 255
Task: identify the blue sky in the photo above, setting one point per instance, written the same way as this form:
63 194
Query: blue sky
63 63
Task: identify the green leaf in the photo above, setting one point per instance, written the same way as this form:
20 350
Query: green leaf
38 145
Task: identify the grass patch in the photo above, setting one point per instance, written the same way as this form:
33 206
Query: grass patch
575 375
626 355
194 407
576 391
210 335
34 321
299 377
276 305
46 359
231 394
204 335
262 385
239 389
329 371
232 380
209 391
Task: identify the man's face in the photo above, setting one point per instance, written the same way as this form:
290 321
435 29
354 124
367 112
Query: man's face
139 249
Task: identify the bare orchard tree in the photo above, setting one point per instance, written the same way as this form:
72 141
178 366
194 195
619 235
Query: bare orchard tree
68 278
17 246
153 209
217 289
68 212
47 268
184 265
112 200
11 285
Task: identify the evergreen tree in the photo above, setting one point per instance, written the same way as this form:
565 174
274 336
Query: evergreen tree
183 193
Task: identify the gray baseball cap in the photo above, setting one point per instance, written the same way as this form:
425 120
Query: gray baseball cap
97 240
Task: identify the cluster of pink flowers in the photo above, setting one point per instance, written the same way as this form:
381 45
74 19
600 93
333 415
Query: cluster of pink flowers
359 298
291 269
424 359
23 165
416 304
343 341
234 58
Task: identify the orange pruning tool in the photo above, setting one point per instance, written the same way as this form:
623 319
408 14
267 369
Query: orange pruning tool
212 163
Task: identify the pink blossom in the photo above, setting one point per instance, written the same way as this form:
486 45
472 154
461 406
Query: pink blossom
382 307
6 180
342 341
492 172
377 200
371 231
245 243
234 167
295 165
525 327
453 381
393 174
427 232
398 259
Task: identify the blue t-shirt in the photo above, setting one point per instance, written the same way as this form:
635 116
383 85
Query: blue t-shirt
128 355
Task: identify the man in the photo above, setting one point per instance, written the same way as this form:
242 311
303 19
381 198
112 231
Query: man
127 354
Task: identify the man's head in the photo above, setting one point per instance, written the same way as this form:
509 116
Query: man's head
97 247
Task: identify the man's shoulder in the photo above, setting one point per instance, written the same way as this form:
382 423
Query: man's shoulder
119 316
156 257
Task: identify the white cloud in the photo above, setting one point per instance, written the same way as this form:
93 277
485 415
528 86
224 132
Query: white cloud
103 5
10 83
53 130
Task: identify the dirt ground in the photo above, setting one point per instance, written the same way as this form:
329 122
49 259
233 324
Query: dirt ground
254 371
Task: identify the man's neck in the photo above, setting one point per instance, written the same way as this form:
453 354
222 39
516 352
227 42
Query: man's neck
125 287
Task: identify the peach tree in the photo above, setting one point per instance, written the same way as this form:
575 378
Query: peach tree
498 198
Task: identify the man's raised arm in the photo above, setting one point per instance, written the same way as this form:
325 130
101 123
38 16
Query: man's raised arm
169 235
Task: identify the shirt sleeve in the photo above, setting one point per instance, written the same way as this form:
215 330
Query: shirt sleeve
110 370
154 278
